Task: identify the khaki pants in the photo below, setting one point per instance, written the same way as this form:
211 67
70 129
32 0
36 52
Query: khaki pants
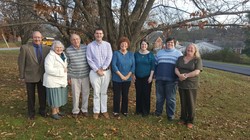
80 86
100 86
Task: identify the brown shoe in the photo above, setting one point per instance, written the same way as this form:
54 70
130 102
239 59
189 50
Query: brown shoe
95 116
75 115
181 123
190 126
106 115
85 114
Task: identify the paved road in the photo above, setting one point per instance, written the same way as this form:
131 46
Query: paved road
245 70
4 49
210 64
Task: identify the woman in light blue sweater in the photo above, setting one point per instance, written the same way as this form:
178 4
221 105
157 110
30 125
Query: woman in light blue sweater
123 66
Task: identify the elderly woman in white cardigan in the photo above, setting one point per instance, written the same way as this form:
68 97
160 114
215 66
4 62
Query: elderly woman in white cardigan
55 79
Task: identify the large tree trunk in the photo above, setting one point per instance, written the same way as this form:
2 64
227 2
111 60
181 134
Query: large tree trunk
107 22
132 23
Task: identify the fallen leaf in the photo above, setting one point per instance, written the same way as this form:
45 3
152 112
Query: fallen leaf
92 135
105 134
33 124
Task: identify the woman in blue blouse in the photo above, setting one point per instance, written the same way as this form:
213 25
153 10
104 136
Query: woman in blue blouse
123 66
144 71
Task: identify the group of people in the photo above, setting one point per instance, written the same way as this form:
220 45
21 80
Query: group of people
51 70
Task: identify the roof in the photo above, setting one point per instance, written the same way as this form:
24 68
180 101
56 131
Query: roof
203 47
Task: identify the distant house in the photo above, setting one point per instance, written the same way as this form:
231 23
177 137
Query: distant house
204 47
236 45
157 40
238 50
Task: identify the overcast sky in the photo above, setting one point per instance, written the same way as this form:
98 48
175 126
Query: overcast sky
186 5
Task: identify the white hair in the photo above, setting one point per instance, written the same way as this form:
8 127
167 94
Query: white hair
57 43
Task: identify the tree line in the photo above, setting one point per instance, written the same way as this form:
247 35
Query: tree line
132 18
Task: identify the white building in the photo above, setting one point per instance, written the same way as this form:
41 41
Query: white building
203 47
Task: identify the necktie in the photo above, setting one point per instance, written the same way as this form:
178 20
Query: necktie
38 54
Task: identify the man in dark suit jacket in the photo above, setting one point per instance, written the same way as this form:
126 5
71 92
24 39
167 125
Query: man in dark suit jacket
31 70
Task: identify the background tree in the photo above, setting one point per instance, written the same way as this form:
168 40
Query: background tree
19 12
247 41
136 18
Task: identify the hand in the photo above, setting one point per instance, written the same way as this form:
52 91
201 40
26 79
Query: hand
150 79
127 76
100 72
133 78
182 77
123 78
69 81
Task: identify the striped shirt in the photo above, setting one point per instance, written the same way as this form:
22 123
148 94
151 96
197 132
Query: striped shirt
99 55
77 62
165 64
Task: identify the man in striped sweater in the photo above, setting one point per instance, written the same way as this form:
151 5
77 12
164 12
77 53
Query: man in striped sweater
166 79
78 74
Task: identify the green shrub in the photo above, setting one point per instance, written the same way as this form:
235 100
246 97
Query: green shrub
227 55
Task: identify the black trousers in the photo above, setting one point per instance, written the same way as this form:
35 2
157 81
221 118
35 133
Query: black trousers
143 91
120 88
188 101
30 87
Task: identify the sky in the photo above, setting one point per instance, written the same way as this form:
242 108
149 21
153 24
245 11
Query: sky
187 5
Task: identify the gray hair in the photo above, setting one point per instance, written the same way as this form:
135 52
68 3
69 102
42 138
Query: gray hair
74 35
56 43
36 32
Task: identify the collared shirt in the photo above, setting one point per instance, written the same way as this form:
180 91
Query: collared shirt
99 55
77 62
39 47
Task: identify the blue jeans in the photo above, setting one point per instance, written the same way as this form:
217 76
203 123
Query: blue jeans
166 90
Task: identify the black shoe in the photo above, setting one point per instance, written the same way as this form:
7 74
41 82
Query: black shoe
115 114
55 116
32 117
125 114
43 115
137 113
157 114
61 114
170 119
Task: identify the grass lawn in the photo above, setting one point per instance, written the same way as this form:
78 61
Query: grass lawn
222 112
11 44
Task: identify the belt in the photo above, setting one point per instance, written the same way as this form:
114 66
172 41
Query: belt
106 69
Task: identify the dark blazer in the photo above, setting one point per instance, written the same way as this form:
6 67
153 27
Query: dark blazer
29 68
